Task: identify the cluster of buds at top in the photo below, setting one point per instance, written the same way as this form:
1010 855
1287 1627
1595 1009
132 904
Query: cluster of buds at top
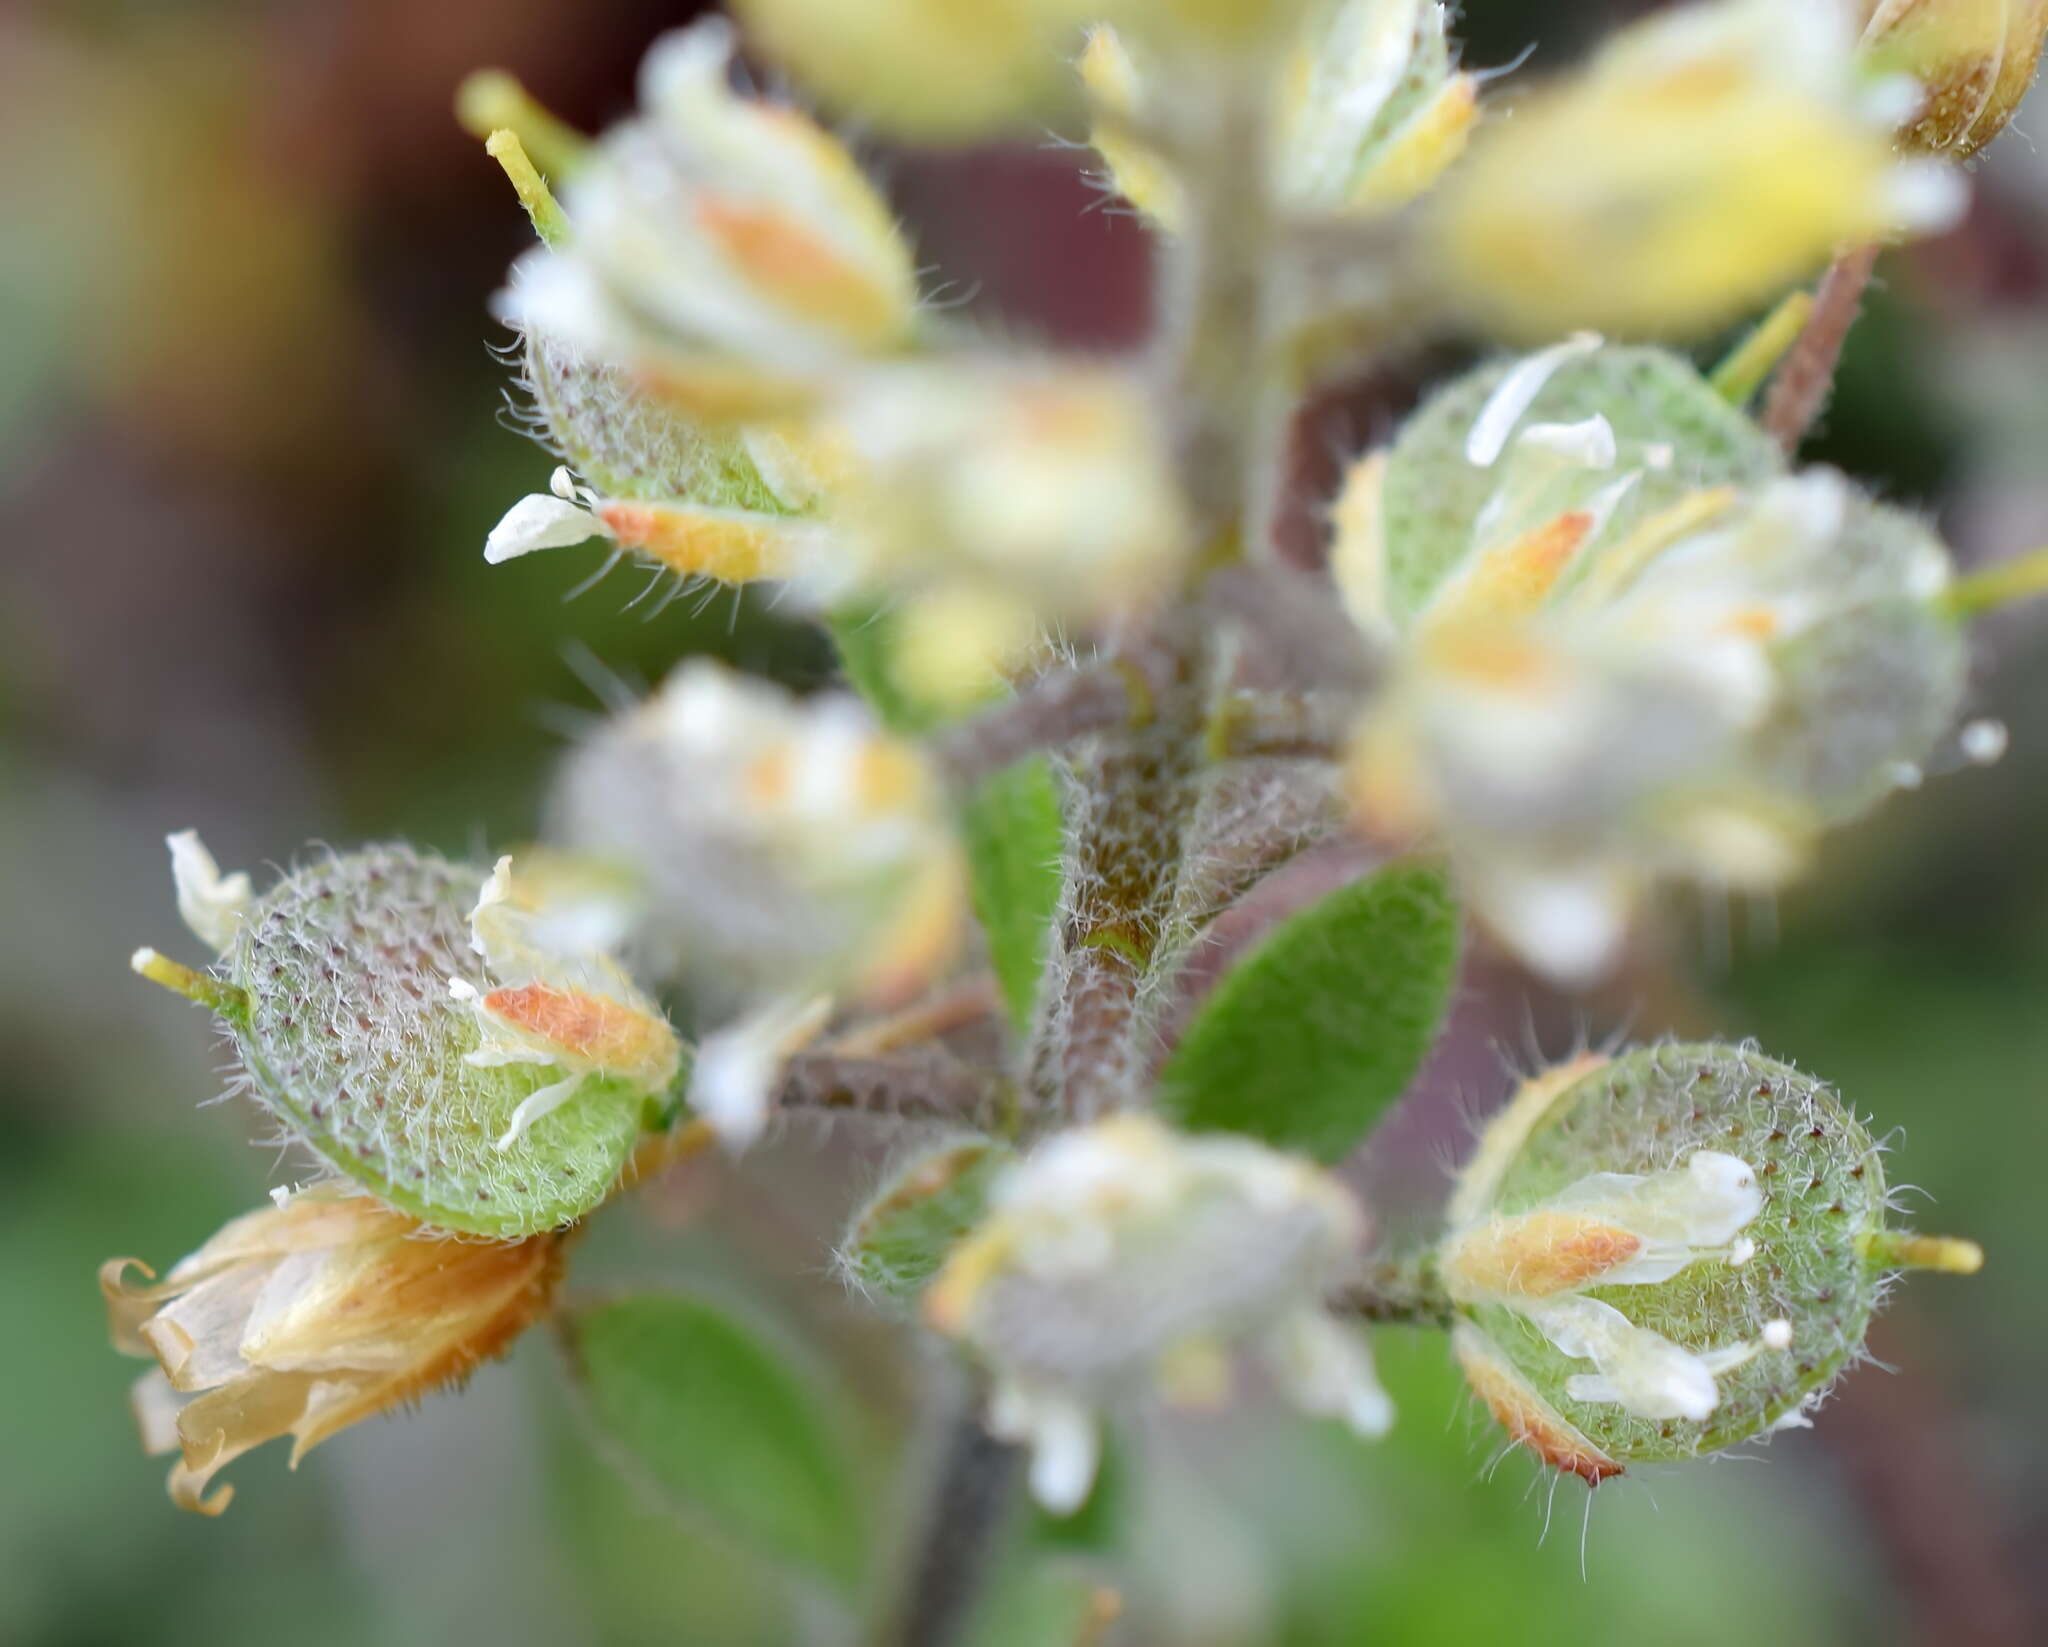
1667 1253
1707 155
1624 643
1122 1259
715 343
776 853
1372 110
727 245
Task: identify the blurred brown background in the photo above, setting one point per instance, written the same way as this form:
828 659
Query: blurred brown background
248 454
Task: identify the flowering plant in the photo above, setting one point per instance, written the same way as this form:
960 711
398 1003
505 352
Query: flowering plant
1127 875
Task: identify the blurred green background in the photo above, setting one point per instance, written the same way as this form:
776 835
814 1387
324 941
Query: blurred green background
248 454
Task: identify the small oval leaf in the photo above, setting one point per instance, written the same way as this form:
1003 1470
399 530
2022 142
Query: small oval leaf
1015 834
723 1427
899 1240
1311 1037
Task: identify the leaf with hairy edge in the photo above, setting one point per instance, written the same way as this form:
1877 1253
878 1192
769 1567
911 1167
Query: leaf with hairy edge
899 1240
1310 1038
1015 835
724 1428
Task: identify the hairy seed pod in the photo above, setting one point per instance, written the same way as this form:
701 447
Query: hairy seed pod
1667 1253
499 1108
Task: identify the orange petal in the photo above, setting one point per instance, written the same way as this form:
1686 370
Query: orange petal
594 1029
1530 1421
1535 1255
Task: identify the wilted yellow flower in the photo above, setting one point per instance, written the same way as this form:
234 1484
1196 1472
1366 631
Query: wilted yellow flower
1705 158
303 1318
1973 60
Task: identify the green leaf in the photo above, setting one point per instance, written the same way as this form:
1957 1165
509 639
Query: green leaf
899 1240
866 638
1015 836
723 1427
1311 1036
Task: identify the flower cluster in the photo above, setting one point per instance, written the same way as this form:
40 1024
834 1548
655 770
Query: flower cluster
776 854
1625 643
1121 1256
1585 629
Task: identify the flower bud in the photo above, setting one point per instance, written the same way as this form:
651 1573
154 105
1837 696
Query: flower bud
1667 1253
932 70
1623 645
304 1318
1972 61
1051 485
1371 110
1706 157
723 247
419 1029
783 850
1121 1258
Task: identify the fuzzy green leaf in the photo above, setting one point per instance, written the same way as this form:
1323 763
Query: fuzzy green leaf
723 1427
1015 835
899 1240
1312 1036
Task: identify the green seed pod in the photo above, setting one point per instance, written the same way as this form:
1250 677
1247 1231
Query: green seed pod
488 1111
1457 477
1669 1253
1870 689
901 1238
629 445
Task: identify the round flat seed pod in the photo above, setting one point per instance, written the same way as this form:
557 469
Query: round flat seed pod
352 1038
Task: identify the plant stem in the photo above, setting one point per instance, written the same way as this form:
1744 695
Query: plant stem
1059 707
1404 1291
1801 387
960 1537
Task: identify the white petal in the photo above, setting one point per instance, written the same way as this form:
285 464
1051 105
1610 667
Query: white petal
1589 444
1569 926
541 521
211 904
734 1076
1327 1369
1516 394
1066 1445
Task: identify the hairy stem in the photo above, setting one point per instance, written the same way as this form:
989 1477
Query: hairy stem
1058 708
1801 387
896 1089
1404 1291
959 1539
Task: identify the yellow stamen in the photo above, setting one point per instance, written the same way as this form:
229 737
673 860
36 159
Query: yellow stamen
209 992
542 209
1903 1250
2018 579
491 100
